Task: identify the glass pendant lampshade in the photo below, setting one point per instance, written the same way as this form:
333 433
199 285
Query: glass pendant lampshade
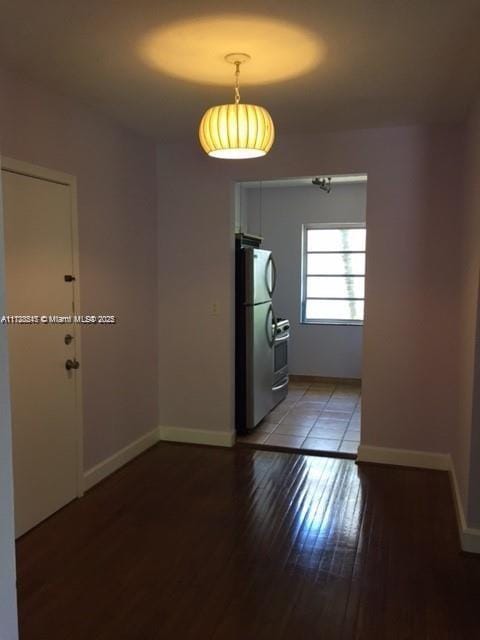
236 131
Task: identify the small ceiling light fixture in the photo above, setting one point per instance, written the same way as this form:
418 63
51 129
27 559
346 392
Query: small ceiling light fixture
236 131
324 183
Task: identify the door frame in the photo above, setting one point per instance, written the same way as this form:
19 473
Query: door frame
42 173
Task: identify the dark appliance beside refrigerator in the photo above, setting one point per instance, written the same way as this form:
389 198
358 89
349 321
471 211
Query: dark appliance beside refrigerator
280 360
261 344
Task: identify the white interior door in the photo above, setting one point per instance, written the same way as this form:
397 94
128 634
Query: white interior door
39 253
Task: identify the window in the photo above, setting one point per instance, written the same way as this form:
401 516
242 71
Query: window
333 288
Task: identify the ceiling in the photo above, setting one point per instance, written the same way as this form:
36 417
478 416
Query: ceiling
370 63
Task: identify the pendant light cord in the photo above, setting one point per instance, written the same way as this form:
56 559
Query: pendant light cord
237 81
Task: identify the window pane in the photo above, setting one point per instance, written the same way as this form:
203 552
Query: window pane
334 310
336 263
336 239
321 287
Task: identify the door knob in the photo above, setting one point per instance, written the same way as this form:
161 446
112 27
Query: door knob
72 364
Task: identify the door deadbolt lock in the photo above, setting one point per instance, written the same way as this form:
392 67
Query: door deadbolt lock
72 364
68 338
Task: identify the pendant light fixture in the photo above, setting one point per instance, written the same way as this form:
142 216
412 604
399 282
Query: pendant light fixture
236 131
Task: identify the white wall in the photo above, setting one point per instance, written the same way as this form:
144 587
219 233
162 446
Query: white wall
409 375
8 591
277 214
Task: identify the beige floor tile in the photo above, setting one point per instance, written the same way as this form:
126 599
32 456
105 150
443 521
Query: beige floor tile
295 395
266 427
348 388
254 438
354 429
275 416
331 433
318 392
298 412
283 406
318 411
313 405
279 440
299 420
294 399
353 436
326 386
331 425
346 393
340 406
271 419
321 444
348 447
325 421
348 402
292 429
336 414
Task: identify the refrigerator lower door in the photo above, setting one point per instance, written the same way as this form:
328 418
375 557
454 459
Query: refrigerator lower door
259 369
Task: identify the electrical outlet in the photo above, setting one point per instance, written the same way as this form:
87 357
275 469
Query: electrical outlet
215 309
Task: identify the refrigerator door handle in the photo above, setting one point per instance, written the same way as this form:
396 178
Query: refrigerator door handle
271 328
271 282
274 274
274 326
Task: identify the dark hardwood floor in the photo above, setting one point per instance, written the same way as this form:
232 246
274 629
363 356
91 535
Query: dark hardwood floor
196 542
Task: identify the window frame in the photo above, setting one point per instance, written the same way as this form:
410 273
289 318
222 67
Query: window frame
306 227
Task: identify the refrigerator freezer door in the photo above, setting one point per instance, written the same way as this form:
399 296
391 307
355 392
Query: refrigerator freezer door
259 397
259 275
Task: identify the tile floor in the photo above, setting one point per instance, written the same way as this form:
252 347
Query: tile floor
319 416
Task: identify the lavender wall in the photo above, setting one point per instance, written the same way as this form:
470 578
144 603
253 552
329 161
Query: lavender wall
411 334
115 170
8 587
466 436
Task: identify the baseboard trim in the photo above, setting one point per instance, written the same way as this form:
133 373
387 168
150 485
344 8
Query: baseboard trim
171 434
119 459
197 436
294 377
469 537
404 457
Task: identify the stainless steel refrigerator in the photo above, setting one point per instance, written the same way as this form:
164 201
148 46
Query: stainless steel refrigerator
255 329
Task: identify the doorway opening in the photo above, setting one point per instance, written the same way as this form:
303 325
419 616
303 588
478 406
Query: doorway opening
315 231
